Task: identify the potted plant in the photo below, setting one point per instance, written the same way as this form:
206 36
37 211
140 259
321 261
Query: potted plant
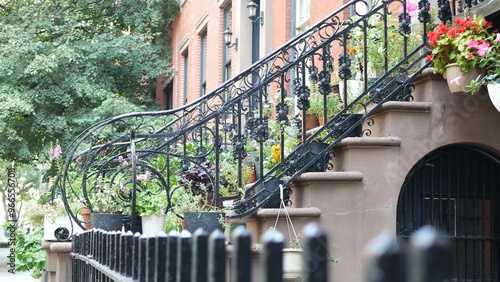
488 58
458 51
317 104
292 259
151 207
196 212
107 208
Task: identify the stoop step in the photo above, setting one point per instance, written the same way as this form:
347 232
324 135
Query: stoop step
404 119
363 153
315 188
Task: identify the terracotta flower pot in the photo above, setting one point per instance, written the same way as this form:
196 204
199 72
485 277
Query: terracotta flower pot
85 212
458 81
311 121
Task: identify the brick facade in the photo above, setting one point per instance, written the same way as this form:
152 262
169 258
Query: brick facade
198 16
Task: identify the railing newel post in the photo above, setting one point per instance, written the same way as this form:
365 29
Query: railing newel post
75 262
272 256
217 257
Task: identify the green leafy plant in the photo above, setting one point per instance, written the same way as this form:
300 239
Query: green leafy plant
295 243
149 203
316 103
105 197
30 256
384 41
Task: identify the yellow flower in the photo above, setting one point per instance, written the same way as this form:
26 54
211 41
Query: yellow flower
276 153
352 51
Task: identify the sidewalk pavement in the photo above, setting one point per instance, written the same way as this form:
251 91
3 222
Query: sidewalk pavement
6 276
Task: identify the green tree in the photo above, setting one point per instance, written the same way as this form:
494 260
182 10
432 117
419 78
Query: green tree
67 64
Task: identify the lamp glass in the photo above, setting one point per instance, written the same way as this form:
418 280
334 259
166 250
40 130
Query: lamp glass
227 36
252 10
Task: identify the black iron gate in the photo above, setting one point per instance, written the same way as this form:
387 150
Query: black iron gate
455 188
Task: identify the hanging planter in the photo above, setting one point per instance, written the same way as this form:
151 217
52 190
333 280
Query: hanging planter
457 80
494 93
292 264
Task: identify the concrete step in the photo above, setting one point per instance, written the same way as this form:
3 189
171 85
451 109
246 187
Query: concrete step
399 119
314 188
359 153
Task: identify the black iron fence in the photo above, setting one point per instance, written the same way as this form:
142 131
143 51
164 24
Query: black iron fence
115 256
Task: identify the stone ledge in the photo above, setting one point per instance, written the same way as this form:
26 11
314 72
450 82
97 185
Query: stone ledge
395 106
293 212
369 142
61 247
427 74
329 177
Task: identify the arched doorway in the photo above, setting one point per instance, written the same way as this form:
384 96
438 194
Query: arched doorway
456 189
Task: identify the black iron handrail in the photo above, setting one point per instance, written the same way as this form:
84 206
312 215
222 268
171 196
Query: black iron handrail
220 128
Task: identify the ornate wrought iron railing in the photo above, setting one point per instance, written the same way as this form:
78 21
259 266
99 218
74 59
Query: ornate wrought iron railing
362 55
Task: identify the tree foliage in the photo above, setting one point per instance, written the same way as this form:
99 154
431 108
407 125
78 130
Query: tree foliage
66 64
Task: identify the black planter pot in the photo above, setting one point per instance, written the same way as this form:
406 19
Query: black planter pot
345 122
209 221
107 221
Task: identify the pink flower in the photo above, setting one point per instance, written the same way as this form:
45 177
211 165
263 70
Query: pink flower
411 9
497 39
144 176
55 152
456 81
472 44
482 49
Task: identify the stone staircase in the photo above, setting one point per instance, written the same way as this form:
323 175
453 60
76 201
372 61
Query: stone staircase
358 199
